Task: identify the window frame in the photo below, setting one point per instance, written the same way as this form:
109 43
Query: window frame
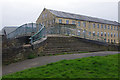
111 34
101 26
93 25
79 23
60 20
108 27
73 22
105 34
93 33
98 25
104 26
67 21
101 33
98 33
84 24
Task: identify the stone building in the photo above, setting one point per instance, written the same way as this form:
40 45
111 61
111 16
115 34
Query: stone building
94 26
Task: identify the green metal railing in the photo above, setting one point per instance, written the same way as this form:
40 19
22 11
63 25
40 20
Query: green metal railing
23 30
66 31
37 36
74 32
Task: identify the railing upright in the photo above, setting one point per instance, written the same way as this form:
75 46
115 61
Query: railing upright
40 34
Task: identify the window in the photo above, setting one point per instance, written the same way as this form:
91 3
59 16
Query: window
78 32
53 20
101 33
104 26
108 27
93 25
67 21
105 34
84 31
114 34
111 40
105 39
97 25
101 26
114 41
60 20
73 22
89 26
111 34
111 27
78 23
93 33
89 33
117 27
43 16
114 27
98 33
46 15
108 34
108 40
84 24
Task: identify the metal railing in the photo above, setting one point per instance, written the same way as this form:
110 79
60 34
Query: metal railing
24 30
40 34
74 32
66 31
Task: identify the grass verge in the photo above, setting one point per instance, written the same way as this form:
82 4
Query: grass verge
90 67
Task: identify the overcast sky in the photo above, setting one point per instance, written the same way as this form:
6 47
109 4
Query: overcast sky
18 12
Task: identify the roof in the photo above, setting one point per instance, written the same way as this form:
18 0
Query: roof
8 29
81 17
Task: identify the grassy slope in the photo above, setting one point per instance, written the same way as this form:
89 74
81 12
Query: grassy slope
90 67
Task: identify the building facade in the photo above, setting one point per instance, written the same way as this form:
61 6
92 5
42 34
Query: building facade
94 26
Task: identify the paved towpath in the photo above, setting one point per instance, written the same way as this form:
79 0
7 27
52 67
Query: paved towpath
39 61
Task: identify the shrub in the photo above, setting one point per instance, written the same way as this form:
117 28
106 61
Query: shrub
31 56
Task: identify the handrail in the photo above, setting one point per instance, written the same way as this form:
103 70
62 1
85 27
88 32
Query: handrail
38 32
65 31
38 35
74 32
23 30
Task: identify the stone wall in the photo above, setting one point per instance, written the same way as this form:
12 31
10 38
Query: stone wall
51 46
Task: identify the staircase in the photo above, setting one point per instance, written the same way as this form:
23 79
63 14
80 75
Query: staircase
61 41
67 44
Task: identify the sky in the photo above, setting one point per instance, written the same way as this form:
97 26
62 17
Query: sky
19 12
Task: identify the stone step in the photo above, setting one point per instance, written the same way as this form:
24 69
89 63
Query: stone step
68 46
55 45
58 52
76 42
70 49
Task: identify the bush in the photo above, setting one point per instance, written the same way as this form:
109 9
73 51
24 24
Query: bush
31 56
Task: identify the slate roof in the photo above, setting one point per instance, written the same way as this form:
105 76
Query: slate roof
81 17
